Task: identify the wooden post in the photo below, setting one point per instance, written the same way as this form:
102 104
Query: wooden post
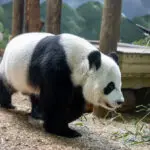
32 16
53 16
110 27
17 18
109 36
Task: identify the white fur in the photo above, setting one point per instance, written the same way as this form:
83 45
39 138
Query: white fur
97 80
92 81
14 65
77 50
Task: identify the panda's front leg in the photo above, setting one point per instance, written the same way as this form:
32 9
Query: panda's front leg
5 96
36 110
55 103
77 105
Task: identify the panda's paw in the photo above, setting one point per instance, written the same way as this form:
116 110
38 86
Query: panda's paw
35 122
72 133
36 115
67 132
11 107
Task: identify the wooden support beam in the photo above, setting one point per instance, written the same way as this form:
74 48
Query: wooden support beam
109 35
32 16
17 18
53 18
110 27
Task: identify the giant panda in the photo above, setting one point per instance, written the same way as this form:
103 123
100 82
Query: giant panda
60 73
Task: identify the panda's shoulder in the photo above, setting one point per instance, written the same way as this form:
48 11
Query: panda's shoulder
48 45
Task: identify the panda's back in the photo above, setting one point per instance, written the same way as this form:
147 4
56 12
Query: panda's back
16 59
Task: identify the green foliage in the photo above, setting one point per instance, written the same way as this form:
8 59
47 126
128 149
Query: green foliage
84 21
144 42
1 27
71 21
43 11
3 44
92 14
5 23
5 39
143 20
1 14
7 17
129 31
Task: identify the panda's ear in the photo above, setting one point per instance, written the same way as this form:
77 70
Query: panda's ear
114 56
94 59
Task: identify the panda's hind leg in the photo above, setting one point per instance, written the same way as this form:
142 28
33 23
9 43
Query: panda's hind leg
5 96
55 102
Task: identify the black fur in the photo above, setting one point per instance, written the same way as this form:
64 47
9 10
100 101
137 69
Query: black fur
61 102
94 59
77 105
5 96
36 110
109 88
114 56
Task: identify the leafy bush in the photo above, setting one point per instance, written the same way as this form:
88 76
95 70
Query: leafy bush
143 20
83 21
71 21
144 42
3 44
1 27
1 14
5 38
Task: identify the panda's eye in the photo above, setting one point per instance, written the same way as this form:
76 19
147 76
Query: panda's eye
109 88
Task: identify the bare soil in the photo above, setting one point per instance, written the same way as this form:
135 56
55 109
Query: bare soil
16 133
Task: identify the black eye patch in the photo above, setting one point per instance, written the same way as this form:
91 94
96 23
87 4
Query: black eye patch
109 88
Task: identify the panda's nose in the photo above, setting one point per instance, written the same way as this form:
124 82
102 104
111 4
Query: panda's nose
119 102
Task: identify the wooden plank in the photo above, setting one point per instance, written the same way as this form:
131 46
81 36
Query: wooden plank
135 83
135 68
126 48
53 18
110 27
32 16
17 18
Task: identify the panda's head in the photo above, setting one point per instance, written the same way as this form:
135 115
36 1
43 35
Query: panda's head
102 87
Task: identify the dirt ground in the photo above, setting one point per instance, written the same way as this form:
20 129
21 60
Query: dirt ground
16 133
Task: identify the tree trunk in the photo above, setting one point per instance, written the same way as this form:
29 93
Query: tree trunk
17 18
53 16
110 27
109 36
32 14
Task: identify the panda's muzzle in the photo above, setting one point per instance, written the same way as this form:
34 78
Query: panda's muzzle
103 103
108 106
